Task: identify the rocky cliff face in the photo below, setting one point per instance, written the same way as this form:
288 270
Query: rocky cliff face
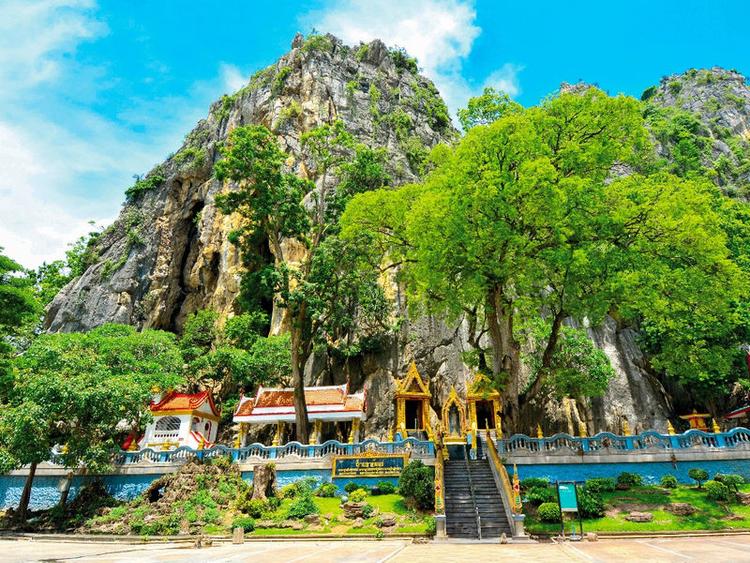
168 255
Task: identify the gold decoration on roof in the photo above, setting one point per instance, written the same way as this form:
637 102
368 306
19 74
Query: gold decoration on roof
412 385
482 388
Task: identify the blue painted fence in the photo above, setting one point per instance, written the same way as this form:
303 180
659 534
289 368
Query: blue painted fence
259 452
606 442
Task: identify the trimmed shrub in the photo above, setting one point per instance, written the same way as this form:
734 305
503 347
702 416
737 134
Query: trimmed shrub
590 504
417 482
431 525
327 490
668 482
358 496
351 486
716 490
384 488
532 482
367 510
301 507
549 512
699 475
626 480
255 508
731 480
288 491
540 495
244 522
600 485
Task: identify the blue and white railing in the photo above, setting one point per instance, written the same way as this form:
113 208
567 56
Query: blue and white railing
291 451
606 442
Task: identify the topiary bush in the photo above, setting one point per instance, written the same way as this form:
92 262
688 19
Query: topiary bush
698 474
358 495
417 483
244 522
731 480
626 480
540 495
383 488
328 490
590 504
532 482
288 491
600 485
301 507
351 486
716 490
549 512
367 510
669 482
255 508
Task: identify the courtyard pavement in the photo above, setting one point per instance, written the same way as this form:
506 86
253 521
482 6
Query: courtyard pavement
705 549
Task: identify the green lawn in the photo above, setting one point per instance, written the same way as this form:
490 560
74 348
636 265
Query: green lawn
409 521
711 515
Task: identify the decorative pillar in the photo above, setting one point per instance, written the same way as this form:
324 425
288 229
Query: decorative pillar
354 434
625 427
279 430
317 430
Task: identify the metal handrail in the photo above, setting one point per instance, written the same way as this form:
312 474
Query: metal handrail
473 497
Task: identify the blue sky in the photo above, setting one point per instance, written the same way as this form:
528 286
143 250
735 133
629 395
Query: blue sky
94 92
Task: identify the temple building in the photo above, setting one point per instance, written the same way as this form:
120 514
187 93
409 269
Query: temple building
333 412
413 406
182 419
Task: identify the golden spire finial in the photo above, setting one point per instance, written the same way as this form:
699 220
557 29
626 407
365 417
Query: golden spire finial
670 428
539 433
582 429
625 427
716 427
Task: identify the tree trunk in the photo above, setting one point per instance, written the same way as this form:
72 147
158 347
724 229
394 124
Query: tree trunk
298 378
547 356
264 481
505 352
23 506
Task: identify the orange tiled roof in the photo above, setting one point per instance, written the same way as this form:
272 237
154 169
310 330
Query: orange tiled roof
174 401
314 397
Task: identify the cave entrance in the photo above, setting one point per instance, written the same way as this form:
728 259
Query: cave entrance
413 414
485 415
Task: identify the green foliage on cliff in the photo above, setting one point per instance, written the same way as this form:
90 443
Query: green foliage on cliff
324 289
522 216
153 180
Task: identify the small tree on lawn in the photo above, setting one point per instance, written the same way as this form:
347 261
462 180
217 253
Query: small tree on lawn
76 390
698 475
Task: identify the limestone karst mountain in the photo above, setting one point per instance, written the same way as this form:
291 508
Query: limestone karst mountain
168 253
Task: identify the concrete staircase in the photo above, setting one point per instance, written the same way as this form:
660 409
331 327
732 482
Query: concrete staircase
460 514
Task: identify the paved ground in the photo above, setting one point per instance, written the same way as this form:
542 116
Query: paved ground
704 549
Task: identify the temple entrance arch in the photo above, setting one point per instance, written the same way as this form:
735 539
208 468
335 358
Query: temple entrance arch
454 418
413 405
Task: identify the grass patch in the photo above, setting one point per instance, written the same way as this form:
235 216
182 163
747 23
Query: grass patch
710 515
389 503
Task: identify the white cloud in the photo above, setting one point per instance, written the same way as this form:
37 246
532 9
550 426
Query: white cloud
232 78
62 163
440 33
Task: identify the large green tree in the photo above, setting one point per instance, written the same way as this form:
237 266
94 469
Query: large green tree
77 391
525 217
310 278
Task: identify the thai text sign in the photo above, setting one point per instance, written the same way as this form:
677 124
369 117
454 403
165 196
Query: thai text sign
568 497
369 465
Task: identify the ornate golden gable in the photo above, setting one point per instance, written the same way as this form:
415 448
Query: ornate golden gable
412 385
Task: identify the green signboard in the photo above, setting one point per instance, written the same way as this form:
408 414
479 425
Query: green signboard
369 465
568 497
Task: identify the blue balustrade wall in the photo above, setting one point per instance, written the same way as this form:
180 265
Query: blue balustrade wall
652 472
